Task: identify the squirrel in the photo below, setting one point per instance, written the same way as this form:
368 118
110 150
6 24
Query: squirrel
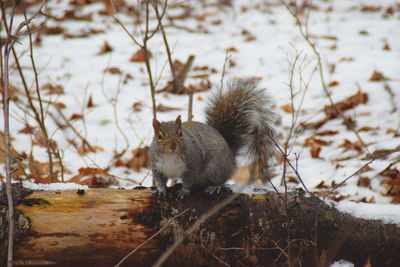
239 121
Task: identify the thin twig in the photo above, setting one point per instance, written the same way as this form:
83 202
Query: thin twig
227 58
177 83
147 35
41 122
193 228
305 34
190 109
151 237
84 141
11 39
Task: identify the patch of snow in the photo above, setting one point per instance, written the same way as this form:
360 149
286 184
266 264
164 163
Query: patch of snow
387 213
53 186
342 263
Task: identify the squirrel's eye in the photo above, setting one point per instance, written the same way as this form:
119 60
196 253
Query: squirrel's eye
159 136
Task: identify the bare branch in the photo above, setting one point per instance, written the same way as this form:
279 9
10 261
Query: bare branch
11 39
151 237
305 34
193 228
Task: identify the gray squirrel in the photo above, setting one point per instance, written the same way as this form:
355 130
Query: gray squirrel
239 121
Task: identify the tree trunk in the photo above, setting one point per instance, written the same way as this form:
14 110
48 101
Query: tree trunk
99 227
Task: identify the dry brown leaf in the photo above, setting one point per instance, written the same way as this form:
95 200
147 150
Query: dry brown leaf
94 177
139 159
231 49
84 149
333 83
349 59
114 70
53 89
52 30
46 179
371 8
348 145
350 102
292 179
203 86
35 167
364 181
3 149
90 102
76 116
395 199
109 8
315 150
60 105
377 76
287 108
137 106
367 129
333 47
105 48
83 34
178 66
27 129
70 14
386 47
327 132
139 56
321 185
311 140
40 138
163 108
388 12
338 198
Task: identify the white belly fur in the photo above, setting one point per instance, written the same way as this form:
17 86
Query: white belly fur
171 166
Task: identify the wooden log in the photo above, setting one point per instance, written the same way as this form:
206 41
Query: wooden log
101 226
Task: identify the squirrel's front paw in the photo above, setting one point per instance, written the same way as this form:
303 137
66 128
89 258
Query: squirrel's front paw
160 193
183 192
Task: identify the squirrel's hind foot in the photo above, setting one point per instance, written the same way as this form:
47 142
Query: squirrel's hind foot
183 192
213 189
160 193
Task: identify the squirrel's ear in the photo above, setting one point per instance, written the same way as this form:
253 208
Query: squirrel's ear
156 124
178 120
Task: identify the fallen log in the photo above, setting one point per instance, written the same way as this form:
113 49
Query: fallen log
98 227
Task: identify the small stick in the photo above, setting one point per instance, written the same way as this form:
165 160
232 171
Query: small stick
190 109
151 237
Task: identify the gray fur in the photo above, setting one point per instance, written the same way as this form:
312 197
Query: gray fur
239 120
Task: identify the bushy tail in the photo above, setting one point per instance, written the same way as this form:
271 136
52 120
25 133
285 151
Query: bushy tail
244 116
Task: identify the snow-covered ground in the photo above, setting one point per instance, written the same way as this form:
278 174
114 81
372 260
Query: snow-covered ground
354 39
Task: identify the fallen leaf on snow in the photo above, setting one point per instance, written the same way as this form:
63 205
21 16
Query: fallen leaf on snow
315 150
76 116
287 108
163 108
139 159
94 177
139 56
327 132
364 181
105 48
377 76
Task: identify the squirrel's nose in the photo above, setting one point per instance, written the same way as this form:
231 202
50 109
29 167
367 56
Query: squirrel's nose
173 146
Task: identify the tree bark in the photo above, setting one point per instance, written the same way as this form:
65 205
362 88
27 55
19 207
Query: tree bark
98 227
